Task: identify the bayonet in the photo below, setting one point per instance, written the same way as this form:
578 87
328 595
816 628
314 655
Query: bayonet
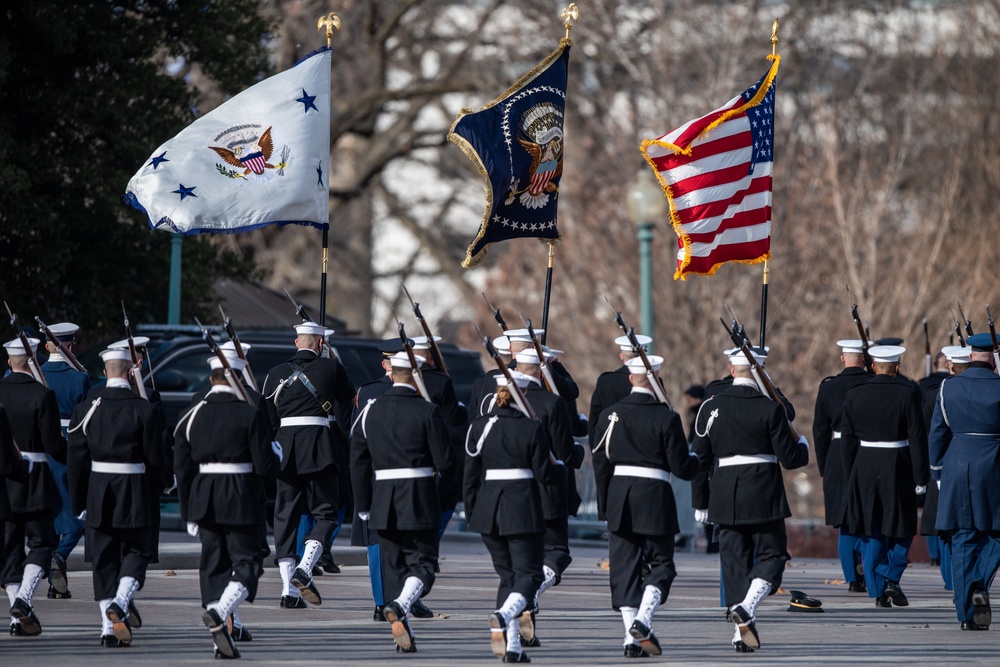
496 313
248 375
231 378
435 350
33 366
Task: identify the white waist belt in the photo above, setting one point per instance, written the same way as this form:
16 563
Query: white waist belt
35 457
898 444
746 460
225 468
403 473
642 471
64 423
510 473
836 435
118 468
305 421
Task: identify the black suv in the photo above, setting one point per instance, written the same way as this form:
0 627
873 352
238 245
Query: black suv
179 358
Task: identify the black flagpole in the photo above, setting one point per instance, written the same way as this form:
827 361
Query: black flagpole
548 291
763 303
322 280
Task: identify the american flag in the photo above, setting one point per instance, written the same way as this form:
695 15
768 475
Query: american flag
716 172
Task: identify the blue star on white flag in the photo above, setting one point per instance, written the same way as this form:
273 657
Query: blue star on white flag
251 162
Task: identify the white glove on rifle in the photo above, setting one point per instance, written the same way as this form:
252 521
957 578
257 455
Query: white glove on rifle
364 516
276 448
921 490
803 441
701 516
192 529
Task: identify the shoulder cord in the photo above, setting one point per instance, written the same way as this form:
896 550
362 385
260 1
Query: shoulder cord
86 417
944 413
189 417
363 417
711 419
493 401
482 438
606 438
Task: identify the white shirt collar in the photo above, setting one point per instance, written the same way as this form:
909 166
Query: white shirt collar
118 383
643 390
55 356
221 389
745 382
404 385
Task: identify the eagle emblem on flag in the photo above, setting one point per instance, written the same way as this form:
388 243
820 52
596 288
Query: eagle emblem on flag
249 149
542 138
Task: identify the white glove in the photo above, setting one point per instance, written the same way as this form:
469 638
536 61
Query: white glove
276 448
172 487
921 490
192 529
364 516
82 516
939 485
701 516
803 441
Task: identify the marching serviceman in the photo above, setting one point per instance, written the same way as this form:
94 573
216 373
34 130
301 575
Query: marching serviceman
830 458
885 456
551 411
400 440
299 396
116 471
70 387
641 444
34 501
718 386
508 455
965 461
221 451
748 435
613 386
483 397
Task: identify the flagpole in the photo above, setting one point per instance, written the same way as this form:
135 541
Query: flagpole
328 22
767 261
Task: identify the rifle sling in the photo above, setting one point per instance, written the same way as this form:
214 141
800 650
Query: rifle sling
298 374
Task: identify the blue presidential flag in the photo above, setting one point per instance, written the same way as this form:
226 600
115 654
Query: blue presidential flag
517 143
261 158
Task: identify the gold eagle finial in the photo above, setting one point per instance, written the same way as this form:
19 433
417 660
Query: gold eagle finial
569 15
329 22
774 37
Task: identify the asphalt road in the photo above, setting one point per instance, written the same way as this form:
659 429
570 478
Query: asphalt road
576 624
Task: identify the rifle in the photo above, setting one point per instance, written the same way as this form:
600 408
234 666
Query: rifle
300 310
763 379
927 349
418 377
248 375
496 313
639 351
958 330
993 333
140 383
36 370
865 343
516 392
968 323
435 350
550 381
206 336
61 346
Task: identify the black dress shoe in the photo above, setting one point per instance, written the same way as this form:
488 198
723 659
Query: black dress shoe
219 655
317 571
741 647
498 634
510 656
15 630
882 601
56 595
119 621
57 577
531 643
420 610
326 561
23 612
292 602
635 651
526 625
973 626
857 587
982 614
307 588
747 627
895 593
400 628
134 619
647 640
110 641
241 634
377 616
220 633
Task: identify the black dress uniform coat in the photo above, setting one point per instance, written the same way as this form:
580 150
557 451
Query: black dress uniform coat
829 457
506 507
400 430
748 423
882 481
929 388
34 421
483 394
12 466
722 384
647 434
611 387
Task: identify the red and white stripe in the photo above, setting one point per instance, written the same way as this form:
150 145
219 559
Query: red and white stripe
720 212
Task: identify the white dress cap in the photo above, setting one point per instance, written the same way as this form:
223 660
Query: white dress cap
229 348
15 348
636 367
139 341
502 344
737 358
309 329
886 353
116 354
521 379
522 335
64 330
235 362
851 346
401 360
626 346
422 343
528 356
957 354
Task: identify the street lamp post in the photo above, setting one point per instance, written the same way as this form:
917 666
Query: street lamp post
646 205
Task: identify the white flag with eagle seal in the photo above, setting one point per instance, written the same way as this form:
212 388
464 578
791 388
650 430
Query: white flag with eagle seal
261 158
